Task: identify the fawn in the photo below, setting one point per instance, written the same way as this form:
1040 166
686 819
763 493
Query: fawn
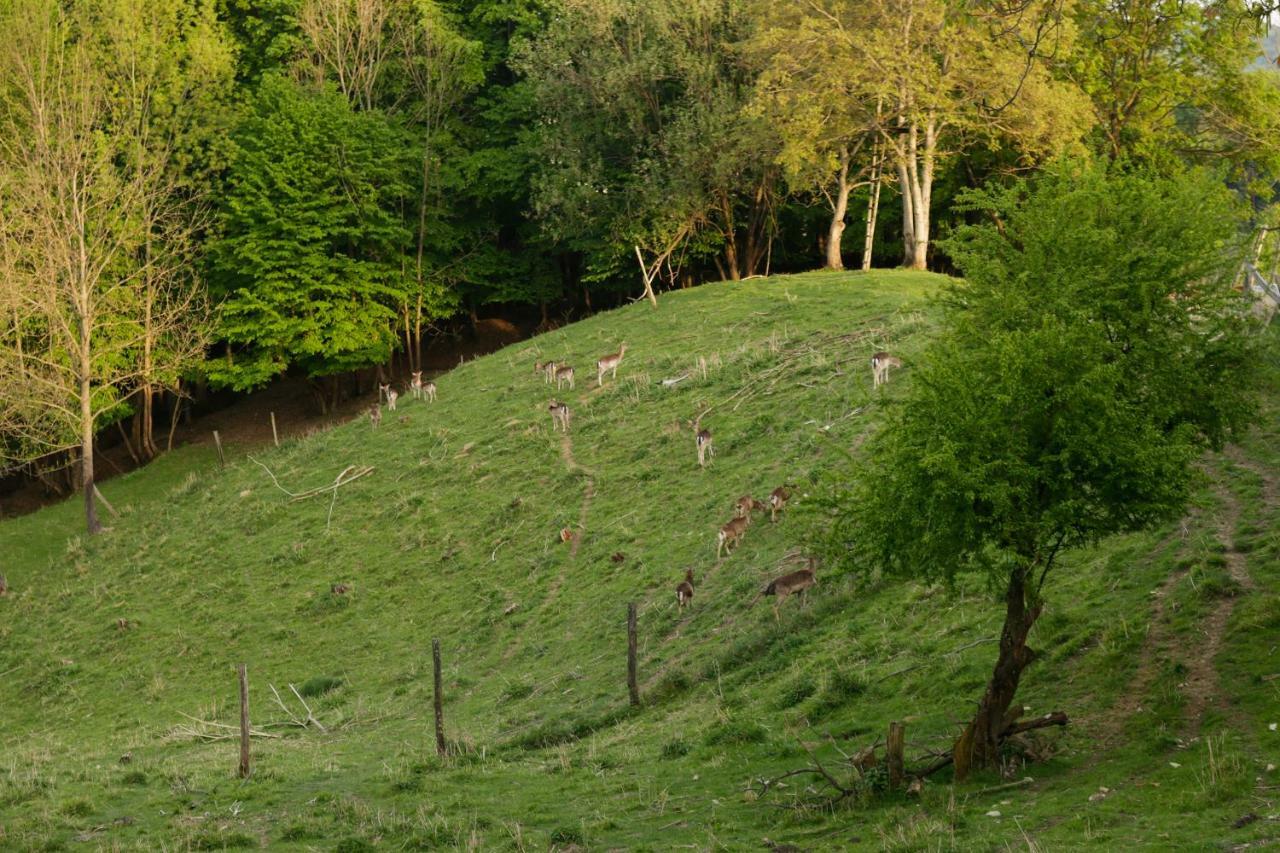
415 385
793 583
610 363
684 591
880 364
777 500
430 391
746 505
729 535
702 438
391 396
559 416
564 374
375 415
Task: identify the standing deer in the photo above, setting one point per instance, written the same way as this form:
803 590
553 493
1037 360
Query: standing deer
610 363
702 439
375 415
729 535
415 385
746 505
559 416
430 391
777 500
794 583
684 591
549 369
391 396
564 374
880 364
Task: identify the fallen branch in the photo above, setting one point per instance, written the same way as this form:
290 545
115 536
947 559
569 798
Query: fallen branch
1055 718
348 475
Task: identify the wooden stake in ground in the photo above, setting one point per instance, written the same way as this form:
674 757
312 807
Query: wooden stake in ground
217 440
244 719
275 436
441 749
633 685
893 753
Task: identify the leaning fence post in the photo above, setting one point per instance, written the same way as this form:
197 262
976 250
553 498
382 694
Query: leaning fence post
244 720
632 685
217 440
275 436
441 749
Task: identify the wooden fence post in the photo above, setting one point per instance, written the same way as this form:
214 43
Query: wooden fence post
275 436
244 720
217 440
632 685
893 753
441 748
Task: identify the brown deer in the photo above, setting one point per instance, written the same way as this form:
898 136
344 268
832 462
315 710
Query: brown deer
415 385
390 394
746 505
609 363
880 364
684 591
793 583
730 534
430 391
375 415
702 439
564 374
4 586
549 369
559 416
777 500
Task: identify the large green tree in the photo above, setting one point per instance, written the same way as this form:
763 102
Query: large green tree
1095 349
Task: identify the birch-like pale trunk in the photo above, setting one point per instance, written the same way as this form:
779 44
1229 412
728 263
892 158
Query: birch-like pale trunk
839 209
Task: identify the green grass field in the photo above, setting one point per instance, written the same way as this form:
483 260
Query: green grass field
1165 660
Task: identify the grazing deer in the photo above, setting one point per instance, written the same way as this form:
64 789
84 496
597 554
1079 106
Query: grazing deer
702 438
610 364
746 505
549 369
559 416
730 533
777 500
430 390
564 374
415 385
538 367
391 396
375 415
684 591
880 364
794 583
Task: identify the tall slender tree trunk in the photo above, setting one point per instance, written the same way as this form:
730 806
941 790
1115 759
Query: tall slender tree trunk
978 745
731 265
92 524
873 206
838 212
908 214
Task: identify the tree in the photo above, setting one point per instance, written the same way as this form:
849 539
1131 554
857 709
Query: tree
308 264
1094 350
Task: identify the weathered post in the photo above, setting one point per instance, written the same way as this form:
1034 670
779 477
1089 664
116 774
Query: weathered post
244 720
893 753
439 700
633 685
217 440
275 436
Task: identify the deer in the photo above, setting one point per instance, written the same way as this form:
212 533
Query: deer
549 369
684 590
730 534
430 391
880 364
746 505
777 500
792 583
375 415
559 416
4 586
390 394
564 374
609 363
415 385
702 439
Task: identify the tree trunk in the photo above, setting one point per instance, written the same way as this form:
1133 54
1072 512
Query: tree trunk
873 207
86 452
908 215
978 744
838 212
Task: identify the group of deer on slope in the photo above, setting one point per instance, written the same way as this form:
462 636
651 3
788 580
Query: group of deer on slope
792 583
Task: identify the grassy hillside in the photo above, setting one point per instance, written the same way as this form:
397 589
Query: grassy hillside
1162 647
